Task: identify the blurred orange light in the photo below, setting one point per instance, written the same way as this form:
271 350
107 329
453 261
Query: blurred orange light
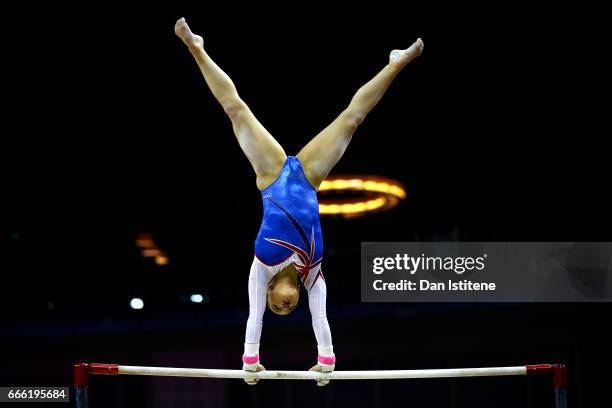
145 241
374 194
161 260
151 252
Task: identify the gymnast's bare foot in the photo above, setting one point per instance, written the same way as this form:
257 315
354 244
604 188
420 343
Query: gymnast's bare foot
402 57
181 29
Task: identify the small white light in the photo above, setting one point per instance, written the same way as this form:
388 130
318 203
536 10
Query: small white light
197 298
136 303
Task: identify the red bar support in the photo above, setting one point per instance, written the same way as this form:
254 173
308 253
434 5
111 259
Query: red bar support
81 385
558 372
82 371
560 376
81 375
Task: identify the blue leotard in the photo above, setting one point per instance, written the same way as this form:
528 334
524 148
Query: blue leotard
290 231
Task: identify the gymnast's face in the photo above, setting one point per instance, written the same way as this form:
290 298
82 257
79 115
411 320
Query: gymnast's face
282 297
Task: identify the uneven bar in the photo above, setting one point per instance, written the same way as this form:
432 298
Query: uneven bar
112 369
82 371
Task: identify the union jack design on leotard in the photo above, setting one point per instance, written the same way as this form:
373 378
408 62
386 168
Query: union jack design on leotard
305 263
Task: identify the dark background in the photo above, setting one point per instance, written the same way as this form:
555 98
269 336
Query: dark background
110 131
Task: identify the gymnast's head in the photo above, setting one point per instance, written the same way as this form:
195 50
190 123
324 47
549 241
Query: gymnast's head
283 292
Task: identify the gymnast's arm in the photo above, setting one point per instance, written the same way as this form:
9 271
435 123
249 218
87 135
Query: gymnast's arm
258 287
317 296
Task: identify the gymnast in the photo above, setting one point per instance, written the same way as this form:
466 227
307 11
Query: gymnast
289 245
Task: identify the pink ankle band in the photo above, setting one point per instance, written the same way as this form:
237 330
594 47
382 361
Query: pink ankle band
250 359
327 360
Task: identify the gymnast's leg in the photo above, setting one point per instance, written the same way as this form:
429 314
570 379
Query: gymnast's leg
263 151
322 153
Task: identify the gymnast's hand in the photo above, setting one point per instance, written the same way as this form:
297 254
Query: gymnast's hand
254 368
323 368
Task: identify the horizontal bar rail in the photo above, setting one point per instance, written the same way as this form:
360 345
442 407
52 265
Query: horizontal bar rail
82 372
